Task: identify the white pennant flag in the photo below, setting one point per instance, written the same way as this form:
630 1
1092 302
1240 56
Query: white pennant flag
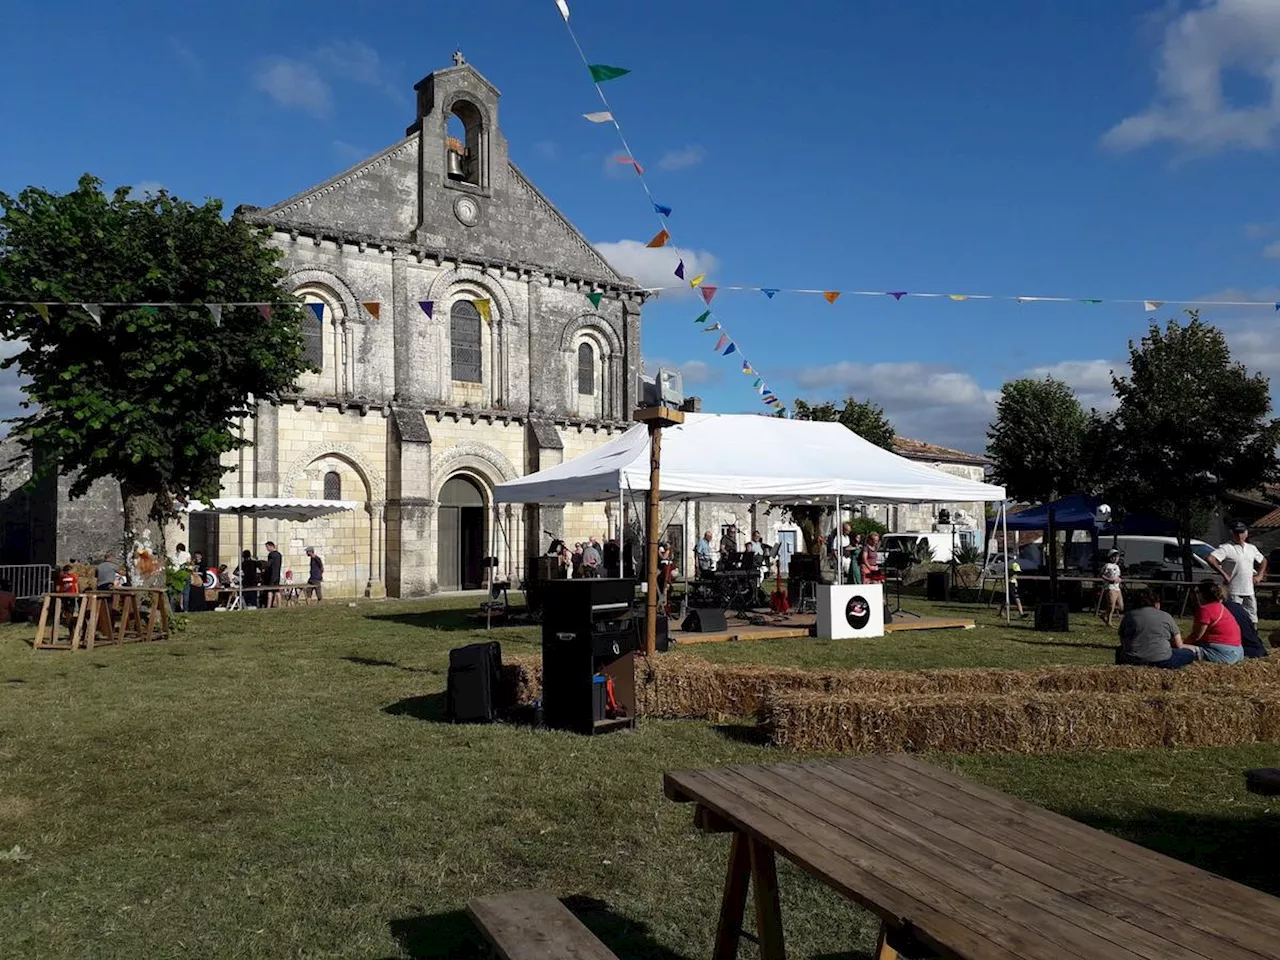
564 9
602 116
94 310
1150 305
215 311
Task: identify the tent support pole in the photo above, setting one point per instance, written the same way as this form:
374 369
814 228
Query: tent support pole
837 539
1004 523
684 547
655 418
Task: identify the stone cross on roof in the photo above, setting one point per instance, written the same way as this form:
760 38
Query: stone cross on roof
458 58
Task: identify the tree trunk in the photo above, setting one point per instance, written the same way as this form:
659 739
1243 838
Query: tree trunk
1184 545
144 550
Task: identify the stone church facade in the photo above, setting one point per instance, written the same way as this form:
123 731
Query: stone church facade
457 348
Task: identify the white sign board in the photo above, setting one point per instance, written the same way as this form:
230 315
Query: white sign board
850 610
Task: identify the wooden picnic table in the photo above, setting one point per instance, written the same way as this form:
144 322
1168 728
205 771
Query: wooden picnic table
957 870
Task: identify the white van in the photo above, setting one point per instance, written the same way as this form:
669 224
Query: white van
1157 555
906 542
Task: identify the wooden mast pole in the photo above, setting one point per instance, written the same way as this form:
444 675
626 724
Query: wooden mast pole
656 418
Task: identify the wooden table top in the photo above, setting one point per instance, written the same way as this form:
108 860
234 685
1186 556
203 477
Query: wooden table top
974 873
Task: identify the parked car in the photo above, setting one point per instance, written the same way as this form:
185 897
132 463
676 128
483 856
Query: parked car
907 543
1157 557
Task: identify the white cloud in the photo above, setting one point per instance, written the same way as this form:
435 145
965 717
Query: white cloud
1190 108
694 372
1272 250
188 56
294 84
1090 379
10 392
682 159
655 267
352 60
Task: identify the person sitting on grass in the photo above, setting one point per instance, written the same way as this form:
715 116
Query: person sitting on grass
1149 637
1215 635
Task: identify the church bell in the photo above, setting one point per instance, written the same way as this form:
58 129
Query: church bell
457 165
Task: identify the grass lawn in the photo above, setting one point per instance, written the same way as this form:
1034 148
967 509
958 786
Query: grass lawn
281 785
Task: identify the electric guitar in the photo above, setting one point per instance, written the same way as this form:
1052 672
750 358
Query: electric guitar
778 603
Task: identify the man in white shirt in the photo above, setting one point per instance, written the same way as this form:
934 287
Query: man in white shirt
1239 573
703 554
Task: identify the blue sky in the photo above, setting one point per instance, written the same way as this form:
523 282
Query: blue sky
1092 148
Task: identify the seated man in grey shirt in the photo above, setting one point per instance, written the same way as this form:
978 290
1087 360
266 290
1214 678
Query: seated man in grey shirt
1149 637
108 572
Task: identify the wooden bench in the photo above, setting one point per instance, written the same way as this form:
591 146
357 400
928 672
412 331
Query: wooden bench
957 870
534 925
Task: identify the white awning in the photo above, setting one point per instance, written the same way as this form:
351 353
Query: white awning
274 508
743 457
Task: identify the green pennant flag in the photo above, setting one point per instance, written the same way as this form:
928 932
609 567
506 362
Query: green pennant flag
703 318
1090 301
151 311
595 299
601 72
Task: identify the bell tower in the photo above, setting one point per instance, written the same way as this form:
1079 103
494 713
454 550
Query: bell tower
462 147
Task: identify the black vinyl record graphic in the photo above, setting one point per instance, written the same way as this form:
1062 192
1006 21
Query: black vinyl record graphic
857 612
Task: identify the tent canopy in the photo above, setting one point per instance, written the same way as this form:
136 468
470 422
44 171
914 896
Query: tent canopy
1078 511
273 508
745 457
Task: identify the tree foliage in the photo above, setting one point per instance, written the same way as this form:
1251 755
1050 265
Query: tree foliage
1039 442
863 417
1192 424
148 397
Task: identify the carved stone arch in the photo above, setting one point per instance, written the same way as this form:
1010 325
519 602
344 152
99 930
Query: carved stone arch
447 280
323 278
357 461
465 96
485 463
592 323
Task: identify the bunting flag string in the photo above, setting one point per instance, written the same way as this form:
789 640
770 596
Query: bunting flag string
831 295
428 307
595 299
602 72
318 310
660 239
263 308
374 308
94 311
601 116
483 306
661 211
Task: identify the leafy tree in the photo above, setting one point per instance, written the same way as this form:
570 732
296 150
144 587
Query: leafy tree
1038 440
1192 424
863 417
148 395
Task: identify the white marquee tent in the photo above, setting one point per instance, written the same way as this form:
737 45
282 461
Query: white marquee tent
744 457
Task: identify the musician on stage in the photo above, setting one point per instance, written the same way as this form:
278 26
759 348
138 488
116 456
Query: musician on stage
702 553
869 560
729 542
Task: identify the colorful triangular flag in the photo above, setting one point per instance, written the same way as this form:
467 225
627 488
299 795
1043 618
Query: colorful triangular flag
600 116
151 311
697 281
564 9
632 161
958 296
483 306
215 311
711 328
769 291
43 310
1150 305
600 72
703 317
680 269
265 310
831 295
733 348
757 383
659 239
1090 301
746 368
318 310
708 294
897 294
428 307
661 210
374 307
1278 306
595 299
722 342
94 310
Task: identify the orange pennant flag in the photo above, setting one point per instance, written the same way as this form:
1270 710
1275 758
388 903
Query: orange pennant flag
374 307
660 239
831 295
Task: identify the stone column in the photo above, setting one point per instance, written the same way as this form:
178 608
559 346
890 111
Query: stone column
402 329
375 588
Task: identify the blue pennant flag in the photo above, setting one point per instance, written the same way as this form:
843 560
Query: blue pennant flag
1278 306
665 211
769 291
733 348
318 310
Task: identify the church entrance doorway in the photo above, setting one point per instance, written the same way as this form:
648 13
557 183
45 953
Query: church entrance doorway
461 525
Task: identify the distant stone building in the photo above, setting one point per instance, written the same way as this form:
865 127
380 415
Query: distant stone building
967 518
457 348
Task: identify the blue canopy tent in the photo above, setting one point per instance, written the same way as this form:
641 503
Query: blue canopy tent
1079 512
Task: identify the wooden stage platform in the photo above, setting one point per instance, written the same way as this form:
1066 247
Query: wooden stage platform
792 626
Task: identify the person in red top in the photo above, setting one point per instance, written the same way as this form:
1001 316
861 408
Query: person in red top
68 582
8 602
1215 635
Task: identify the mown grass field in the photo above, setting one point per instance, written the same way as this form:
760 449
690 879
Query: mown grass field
282 785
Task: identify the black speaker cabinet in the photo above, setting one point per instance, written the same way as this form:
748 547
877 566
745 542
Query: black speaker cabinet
935 586
475 678
1052 618
805 566
588 650
704 620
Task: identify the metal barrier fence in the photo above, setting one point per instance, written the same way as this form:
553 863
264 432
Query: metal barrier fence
28 580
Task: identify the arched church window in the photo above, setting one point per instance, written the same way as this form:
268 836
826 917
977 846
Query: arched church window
586 369
333 485
314 314
464 144
464 342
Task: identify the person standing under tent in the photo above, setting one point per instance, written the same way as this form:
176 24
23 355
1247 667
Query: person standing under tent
1246 568
271 575
612 559
869 560
1112 598
592 558
315 576
250 576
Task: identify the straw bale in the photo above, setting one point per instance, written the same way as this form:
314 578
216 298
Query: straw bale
1018 723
